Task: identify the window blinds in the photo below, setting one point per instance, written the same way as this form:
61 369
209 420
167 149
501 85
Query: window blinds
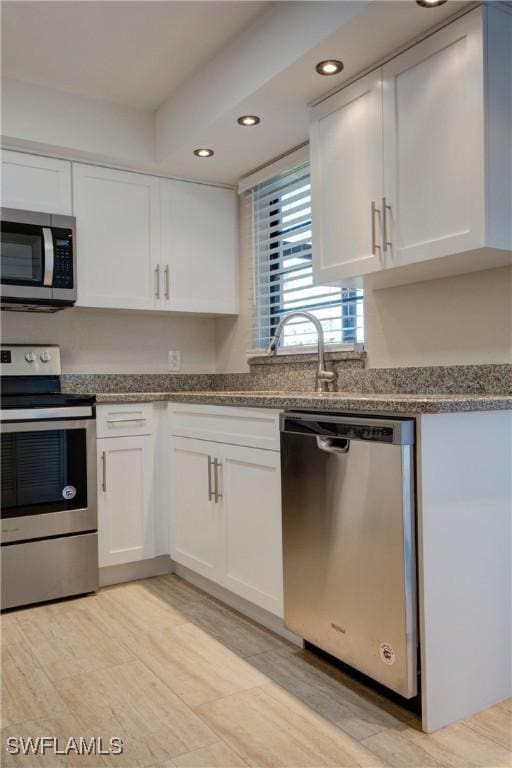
283 273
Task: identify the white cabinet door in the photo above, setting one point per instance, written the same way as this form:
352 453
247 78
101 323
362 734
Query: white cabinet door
346 178
250 483
118 237
196 519
434 145
199 247
125 500
36 183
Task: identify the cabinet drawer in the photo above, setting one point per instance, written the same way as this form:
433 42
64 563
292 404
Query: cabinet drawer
252 427
124 419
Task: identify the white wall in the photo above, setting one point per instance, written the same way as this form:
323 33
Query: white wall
233 335
47 119
99 341
458 320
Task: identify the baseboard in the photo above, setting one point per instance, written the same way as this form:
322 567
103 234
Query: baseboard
254 612
142 569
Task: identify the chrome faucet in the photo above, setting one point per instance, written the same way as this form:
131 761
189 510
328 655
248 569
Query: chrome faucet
323 377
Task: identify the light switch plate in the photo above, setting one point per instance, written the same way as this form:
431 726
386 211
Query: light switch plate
174 360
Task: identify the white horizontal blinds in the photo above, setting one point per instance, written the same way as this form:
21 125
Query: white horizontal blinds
283 273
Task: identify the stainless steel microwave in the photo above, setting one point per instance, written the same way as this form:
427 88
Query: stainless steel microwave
37 261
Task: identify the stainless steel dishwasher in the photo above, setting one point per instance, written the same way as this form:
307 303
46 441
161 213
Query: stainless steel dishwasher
348 541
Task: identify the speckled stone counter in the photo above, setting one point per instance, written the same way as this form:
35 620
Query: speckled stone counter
285 374
404 404
288 381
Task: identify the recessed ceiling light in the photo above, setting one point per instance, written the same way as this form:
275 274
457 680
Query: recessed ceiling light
249 120
430 3
330 66
203 152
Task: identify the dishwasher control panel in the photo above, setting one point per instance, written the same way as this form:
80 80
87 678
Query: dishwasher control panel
392 431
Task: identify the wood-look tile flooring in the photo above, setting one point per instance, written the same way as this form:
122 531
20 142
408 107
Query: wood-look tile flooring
188 683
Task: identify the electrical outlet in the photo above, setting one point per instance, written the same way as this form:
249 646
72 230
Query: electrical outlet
174 360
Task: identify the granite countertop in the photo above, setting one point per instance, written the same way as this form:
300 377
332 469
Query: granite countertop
406 404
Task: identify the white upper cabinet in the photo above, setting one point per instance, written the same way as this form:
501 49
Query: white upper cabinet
434 145
150 243
199 247
346 178
35 183
118 237
444 152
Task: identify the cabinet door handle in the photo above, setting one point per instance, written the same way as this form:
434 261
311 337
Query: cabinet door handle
210 491
216 466
385 242
166 278
375 247
157 281
104 471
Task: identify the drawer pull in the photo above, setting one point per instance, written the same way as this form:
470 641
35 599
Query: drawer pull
124 421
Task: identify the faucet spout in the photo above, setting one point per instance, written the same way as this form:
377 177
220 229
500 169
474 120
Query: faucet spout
323 376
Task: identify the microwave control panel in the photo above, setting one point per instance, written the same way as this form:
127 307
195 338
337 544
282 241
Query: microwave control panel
63 256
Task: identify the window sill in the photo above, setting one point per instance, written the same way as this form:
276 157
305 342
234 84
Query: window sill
307 354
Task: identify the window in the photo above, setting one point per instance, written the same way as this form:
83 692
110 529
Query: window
283 272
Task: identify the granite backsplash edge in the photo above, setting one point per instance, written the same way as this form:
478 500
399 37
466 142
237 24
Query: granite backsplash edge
300 377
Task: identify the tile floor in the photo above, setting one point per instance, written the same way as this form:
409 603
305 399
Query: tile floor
188 683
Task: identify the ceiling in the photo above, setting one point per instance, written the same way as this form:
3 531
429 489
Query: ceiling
130 53
370 32
184 72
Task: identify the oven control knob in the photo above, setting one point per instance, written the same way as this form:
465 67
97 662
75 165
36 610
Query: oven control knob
45 357
30 357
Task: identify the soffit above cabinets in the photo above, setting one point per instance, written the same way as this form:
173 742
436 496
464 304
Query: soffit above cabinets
264 66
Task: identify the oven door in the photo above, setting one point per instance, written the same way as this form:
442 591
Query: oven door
27 258
48 478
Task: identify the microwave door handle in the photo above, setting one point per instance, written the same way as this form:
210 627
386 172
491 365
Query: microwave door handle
49 258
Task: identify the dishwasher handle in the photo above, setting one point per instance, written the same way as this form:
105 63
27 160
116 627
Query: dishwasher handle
333 444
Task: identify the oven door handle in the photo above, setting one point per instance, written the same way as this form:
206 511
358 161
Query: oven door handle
49 426
43 414
49 257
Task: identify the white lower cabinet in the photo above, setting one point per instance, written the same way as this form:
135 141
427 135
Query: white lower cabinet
126 526
215 506
225 505
250 481
196 521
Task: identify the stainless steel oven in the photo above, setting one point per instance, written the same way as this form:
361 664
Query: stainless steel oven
37 261
48 491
